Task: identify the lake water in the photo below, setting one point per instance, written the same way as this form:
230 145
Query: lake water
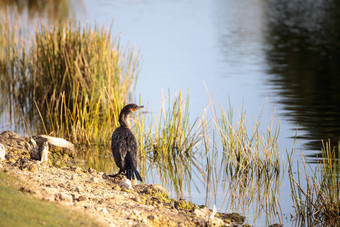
245 51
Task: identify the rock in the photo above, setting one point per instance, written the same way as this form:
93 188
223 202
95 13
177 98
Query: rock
153 218
82 198
95 179
9 135
92 171
2 152
76 169
203 212
126 184
214 221
44 153
122 182
136 198
39 152
133 217
34 150
156 188
233 217
184 205
63 196
49 194
77 189
104 211
213 212
57 142
205 217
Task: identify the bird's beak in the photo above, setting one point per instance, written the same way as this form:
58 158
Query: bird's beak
137 108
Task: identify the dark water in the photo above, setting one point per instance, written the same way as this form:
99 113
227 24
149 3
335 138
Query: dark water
304 66
245 51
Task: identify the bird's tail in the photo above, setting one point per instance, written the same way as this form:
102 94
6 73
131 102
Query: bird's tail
131 172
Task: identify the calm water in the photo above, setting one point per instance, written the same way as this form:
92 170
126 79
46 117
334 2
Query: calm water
246 51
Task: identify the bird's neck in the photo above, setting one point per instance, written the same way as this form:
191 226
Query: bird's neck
124 120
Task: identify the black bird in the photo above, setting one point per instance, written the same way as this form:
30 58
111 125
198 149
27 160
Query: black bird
124 145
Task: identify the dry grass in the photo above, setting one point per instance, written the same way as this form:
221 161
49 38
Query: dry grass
316 189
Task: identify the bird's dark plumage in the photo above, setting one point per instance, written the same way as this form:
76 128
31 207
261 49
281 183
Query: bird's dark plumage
124 145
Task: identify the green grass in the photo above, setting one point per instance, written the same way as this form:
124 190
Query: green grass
19 209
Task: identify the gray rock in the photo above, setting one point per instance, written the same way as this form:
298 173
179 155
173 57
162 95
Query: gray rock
2 152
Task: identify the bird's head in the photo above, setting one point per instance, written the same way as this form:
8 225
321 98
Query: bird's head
131 108
126 111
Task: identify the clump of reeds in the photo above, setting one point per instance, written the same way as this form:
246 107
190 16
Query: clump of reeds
316 190
250 167
83 79
74 79
171 144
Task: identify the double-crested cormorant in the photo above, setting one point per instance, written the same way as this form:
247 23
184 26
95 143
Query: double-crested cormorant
124 145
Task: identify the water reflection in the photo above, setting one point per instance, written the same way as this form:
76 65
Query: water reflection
303 57
37 9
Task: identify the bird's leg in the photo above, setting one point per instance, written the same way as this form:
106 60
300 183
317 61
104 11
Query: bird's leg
114 175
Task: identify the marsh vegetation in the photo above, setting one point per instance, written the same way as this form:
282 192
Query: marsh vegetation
71 81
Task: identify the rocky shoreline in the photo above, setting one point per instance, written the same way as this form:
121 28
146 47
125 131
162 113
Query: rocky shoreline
39 165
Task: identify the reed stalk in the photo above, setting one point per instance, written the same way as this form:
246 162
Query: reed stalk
316 189
171 144
251 166
74 80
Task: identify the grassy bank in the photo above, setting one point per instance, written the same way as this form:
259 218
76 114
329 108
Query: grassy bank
19 209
